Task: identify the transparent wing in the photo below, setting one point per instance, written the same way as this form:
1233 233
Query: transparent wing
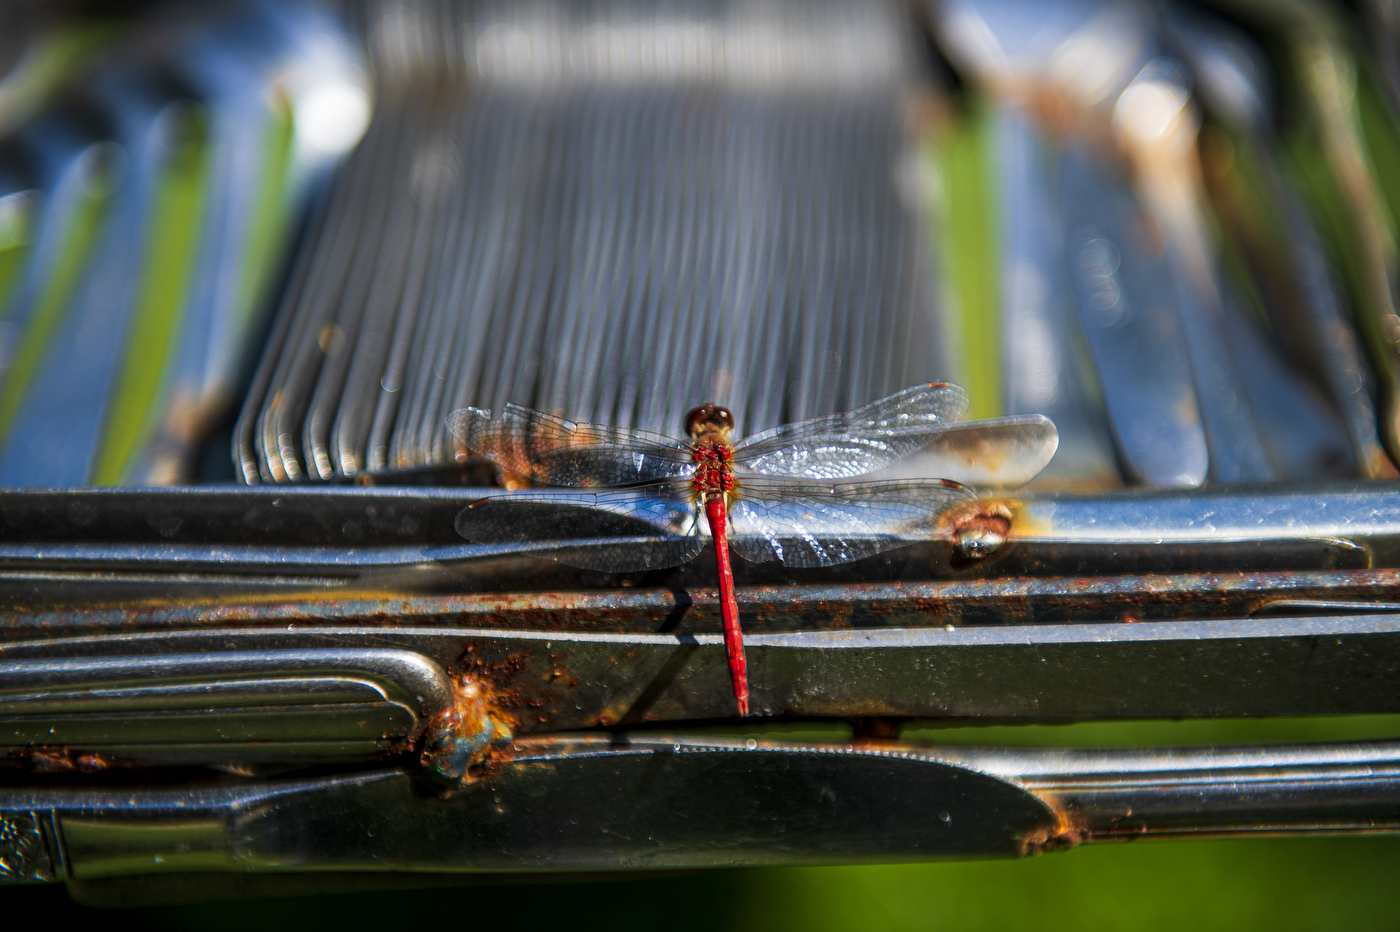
839 446
559 452
1004 453
819 524
651 527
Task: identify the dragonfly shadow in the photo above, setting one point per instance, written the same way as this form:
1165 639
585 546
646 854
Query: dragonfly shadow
678 611
685 646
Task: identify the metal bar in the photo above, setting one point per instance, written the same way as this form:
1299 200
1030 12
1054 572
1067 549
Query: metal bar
543 676
1347 524
653 802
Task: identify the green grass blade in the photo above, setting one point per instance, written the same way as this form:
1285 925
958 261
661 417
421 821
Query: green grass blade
170 253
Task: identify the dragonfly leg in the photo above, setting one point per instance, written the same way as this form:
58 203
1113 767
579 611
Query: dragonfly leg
729 609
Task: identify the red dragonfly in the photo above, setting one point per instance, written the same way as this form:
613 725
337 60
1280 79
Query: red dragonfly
763 497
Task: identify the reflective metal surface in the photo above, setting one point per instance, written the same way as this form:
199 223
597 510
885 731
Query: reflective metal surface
264 705
635 801
1310 657
313 536
1109 607
708 210
1115 222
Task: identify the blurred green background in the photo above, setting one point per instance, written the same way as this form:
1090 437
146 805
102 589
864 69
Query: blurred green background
1293 883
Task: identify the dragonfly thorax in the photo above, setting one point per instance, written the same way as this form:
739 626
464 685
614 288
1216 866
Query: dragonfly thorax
710 428
714 468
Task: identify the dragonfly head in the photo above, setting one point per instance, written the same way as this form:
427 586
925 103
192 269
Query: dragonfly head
709 419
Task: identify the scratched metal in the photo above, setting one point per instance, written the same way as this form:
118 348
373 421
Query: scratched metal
562 805
24 851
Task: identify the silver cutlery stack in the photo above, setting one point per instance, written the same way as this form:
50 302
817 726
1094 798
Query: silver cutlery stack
614 212
610 212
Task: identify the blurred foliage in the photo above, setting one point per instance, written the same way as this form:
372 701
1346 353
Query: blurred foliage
173 240
14 249
49 312
1382 138
1251 240
966 221
53 59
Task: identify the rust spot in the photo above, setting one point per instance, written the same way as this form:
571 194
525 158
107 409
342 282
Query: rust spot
468 740
874 730
58 759
458 742
1069 831
522 686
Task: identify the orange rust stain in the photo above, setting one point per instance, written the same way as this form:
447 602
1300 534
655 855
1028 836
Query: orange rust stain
499 680
1020 523
1070 830
871 731
59 759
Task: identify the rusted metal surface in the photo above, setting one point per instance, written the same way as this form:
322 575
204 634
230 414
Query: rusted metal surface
1071 613
460 738
1069 830
911 634
561 680
772 608
57 759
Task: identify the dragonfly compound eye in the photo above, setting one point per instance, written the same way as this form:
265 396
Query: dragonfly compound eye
708 418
